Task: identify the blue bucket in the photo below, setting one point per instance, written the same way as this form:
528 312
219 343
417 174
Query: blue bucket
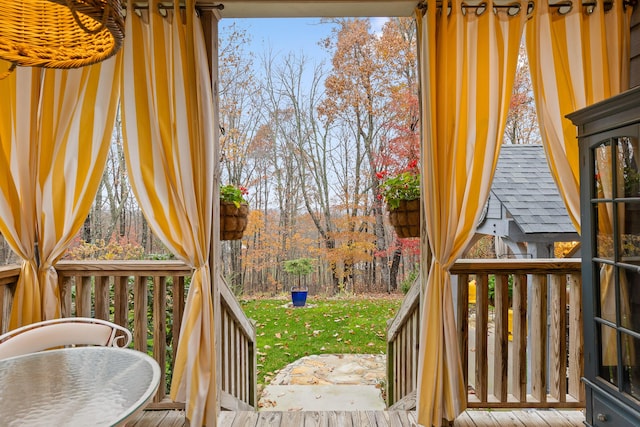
299 298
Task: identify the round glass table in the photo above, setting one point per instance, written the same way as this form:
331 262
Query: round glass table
78 386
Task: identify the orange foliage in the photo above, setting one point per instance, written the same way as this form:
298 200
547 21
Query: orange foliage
113 250
562 249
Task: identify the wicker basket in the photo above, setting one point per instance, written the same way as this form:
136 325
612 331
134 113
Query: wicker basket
406 218
233 220
60 33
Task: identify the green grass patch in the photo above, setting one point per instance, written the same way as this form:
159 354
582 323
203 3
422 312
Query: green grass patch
324 326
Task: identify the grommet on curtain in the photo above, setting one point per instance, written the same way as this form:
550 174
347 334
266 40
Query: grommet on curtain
513 9
629 3
480 8
530 7
564 8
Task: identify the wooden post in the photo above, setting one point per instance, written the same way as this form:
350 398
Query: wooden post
576 339
391 378
501 344
140 302
209 18
482 314
463 325
538 346
160 330
558 341
101 292
83 296
519 365
121 301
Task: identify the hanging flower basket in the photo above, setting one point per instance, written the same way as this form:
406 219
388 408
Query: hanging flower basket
406 218
233 220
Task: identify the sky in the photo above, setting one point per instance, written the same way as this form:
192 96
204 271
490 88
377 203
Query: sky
285 35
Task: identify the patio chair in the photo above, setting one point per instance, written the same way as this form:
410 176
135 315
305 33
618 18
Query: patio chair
68 331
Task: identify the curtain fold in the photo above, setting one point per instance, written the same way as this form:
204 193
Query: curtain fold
168 133
468 60
55 131
576 59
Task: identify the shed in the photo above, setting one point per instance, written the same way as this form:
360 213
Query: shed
525 211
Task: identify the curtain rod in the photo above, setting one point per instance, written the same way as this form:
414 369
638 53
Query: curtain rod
563 7
167 5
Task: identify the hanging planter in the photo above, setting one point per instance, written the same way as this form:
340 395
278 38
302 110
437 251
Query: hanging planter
233 220
402 194
406 218
234 212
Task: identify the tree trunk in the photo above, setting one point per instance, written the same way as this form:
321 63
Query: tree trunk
393 273
86 229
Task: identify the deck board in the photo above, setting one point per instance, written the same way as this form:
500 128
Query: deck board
471 418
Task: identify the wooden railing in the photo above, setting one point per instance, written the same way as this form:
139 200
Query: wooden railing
144 296
546 361
403 336
238 355
148 297
532 364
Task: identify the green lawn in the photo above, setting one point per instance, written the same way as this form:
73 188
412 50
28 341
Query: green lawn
325 325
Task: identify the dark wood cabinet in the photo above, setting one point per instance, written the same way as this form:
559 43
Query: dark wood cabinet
608 138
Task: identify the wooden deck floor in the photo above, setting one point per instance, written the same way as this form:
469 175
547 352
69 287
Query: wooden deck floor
471 418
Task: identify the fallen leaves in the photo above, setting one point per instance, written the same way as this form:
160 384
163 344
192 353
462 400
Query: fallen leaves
332 326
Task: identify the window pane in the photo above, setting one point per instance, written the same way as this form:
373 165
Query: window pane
602 166
629 229
629 283
631 370
607 292
608 355
628 171
604 233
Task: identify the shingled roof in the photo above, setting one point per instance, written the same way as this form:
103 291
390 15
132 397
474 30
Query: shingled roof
526 190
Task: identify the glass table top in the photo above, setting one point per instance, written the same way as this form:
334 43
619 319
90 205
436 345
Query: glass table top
76 386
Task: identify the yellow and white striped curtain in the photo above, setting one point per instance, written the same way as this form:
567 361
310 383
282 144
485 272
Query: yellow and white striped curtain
576 59
468 60
168 133
55 131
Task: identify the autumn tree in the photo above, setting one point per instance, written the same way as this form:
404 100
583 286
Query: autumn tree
292 92
239 115
372 89
522 121
356 95
397 47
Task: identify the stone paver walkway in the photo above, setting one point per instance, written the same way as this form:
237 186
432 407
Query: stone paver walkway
327 382
325 369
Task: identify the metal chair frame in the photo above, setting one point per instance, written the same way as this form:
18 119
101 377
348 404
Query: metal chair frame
64 332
